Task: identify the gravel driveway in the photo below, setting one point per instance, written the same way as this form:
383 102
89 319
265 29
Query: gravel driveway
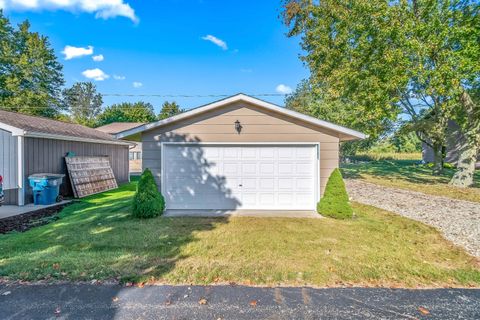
458 220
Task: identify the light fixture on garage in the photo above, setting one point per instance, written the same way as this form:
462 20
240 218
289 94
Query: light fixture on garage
238 126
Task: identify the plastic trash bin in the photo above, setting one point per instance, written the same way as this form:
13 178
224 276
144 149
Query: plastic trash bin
46 187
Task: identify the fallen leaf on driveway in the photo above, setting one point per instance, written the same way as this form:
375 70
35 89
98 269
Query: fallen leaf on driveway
128 284
202 301
168 302
57 311
141 285
253 303
115 299
423 310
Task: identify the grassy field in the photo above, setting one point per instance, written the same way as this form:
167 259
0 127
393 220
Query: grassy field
411 176
97 238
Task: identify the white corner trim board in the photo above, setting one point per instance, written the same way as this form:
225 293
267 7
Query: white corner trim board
245 98
20 170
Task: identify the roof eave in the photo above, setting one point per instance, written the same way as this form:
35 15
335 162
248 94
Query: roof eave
43 135
14 130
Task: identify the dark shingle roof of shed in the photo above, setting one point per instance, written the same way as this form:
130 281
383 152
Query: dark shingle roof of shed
33 124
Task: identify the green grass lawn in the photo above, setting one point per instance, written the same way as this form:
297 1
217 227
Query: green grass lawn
97 238
411 176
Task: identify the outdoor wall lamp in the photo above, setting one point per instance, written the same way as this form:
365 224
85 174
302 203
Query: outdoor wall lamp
238 127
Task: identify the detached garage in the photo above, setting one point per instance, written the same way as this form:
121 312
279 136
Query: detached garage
31 145
241 153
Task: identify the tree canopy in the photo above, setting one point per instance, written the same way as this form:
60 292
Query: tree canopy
127 112
83 102
385 58
30 75
169 109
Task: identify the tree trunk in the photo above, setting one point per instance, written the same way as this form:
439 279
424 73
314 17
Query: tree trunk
463 177
437 159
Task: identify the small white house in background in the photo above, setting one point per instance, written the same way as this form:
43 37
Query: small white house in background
135 152
31 145
241 153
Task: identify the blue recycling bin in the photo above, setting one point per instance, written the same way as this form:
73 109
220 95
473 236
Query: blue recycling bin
46 187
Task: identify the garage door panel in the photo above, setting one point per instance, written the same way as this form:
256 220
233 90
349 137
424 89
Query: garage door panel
304 168
240 177
266 168
249 153
266 183
285 184
304 184
249 168
248 184
266 199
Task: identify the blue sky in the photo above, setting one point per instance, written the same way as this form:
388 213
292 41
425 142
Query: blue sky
179 47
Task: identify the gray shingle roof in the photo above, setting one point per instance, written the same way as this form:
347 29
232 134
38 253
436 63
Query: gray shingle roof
33 124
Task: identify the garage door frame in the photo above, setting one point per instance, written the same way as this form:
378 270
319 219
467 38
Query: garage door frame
316 163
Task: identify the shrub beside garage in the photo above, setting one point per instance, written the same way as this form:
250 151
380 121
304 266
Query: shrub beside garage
335 202
148 202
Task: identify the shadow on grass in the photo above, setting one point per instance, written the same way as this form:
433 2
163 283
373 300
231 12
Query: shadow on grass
97 238
406 170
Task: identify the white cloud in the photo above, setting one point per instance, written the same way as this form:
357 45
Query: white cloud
222 44
95 74
117 77
283 89
104 9
98 58
71 52
137 84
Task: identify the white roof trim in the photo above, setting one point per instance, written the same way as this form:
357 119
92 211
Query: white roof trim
242 97
14 130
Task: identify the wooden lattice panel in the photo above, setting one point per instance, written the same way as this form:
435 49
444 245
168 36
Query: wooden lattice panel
90 175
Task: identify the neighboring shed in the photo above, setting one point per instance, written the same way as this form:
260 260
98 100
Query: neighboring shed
241 153
135 153
455 142
30 144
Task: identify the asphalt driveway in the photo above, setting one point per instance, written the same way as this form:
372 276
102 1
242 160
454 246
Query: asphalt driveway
90 301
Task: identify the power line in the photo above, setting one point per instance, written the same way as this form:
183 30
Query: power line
168 96
188 95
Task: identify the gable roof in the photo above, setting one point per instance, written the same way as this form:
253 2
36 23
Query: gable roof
117 127
38 127
345 133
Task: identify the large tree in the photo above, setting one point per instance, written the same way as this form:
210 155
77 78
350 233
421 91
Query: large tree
169 109
30 75
309 98
83 102
386 57
127 112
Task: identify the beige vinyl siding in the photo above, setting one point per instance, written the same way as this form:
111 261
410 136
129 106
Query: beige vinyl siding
258 126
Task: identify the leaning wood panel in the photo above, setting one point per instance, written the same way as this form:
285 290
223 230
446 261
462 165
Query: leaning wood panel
90 175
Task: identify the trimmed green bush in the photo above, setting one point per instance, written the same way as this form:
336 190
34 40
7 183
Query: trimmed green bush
335 203
147 202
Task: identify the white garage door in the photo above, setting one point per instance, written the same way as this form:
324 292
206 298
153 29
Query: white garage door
272 177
